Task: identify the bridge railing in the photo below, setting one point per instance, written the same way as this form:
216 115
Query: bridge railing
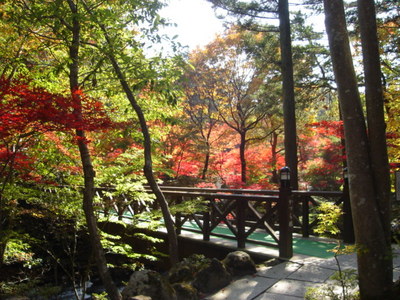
305 205
238 214
242 214
263 201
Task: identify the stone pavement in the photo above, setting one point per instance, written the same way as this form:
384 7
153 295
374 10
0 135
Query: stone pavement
290 279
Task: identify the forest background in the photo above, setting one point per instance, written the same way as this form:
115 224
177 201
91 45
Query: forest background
214 114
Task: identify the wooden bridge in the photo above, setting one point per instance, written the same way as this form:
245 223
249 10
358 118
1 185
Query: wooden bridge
239 214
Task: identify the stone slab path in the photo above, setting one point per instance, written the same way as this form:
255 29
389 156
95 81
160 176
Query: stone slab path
289 280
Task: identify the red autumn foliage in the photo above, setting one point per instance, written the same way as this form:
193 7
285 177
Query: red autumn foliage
328 128
188 155
321 155
24 108
26 111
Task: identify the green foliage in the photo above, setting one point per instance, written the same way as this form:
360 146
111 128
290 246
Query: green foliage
102 296
342 288
190 206
198 261
12 288
18 249
114 244
185 270
329 215
29 288
343 282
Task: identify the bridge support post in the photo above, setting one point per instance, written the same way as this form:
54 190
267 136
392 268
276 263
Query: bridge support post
206 221
178 217
306 216
285 215
241 223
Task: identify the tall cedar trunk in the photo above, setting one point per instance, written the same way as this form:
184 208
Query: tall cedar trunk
375 110
87 166
242 151
289 115
372 256
148 168
274 158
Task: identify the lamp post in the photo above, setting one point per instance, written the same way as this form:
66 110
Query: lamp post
285 177
345 173
285 215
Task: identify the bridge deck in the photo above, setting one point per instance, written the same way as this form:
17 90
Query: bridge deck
311 246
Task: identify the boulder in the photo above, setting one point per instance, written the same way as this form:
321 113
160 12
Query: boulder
185 270
239 263
181 274
185 291
148 283
212 278
140 297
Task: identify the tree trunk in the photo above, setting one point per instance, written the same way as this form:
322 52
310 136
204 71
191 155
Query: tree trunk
242 150
376 124
373 251
289 114
87 166
148 166
91 221
274 159
206 161
375 110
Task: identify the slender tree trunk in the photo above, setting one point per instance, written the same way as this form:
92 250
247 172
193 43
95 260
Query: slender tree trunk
376 124
375 109
373 251
274 159
289 114
87 166
206 161
243 164
148 166
2 250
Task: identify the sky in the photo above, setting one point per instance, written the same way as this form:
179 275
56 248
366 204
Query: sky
196 22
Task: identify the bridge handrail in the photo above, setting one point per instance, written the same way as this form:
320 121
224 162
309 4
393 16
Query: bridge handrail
222 195
216 190
303 224
239 202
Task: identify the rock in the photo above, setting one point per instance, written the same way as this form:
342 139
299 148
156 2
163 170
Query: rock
181 274
239 263
212 278
148 283
140 297
184 291
185 270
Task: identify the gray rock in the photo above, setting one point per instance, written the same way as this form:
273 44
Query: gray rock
181 274
185 270
140 297
148 283
212 278
185 291
239 263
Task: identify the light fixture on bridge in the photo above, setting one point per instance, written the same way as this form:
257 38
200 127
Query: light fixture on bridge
285 174
345 173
